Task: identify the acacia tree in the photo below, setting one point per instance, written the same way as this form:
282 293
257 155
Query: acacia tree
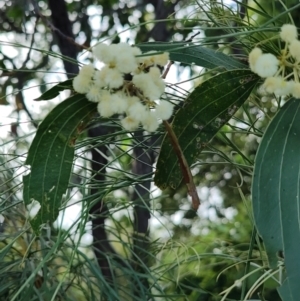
209 122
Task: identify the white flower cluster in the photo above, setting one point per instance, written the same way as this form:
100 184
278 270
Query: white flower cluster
281 73
128 84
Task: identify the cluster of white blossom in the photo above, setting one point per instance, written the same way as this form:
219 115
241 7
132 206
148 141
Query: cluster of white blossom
281 73
128 84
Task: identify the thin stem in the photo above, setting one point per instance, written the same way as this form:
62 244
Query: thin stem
186 172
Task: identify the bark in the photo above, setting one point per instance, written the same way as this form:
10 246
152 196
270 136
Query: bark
60 19
99 210
143 165
163 10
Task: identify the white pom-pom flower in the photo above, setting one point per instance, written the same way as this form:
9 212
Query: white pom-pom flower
161 59
150 123
288 33
136 51
266 65
112 77
253 56
129 123
284 87
164 110
154 59
105 106
152 91
82 84
119 103
154 72
147 58
105 95
99 79
126 62
278 86
294 49
271 84
94 94
141 80
131 100
87 71
146 84
120 48
138 111
104 53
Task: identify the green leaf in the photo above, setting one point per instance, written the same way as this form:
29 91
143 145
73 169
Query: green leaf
204 113
54 91
51 157
195 54
276 191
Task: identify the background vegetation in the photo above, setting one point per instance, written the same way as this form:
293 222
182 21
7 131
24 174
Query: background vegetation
118 237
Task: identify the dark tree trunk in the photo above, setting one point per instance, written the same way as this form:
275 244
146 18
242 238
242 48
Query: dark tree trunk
60 19
99 210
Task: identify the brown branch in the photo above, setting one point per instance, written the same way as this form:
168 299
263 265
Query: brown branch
31 43
53 28
193 36
21 76
20 99
25 71
164 75
185 169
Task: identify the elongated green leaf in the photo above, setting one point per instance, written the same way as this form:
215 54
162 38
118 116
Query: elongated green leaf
51 157
276 191
205 111
54 91
195 54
